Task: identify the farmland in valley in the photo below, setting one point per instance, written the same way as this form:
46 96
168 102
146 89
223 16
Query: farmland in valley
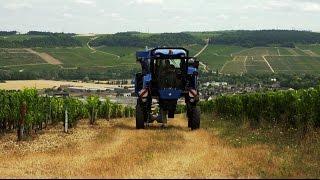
94 55
237 66
83 57
16 57
256 64
281 60
225 59
296 64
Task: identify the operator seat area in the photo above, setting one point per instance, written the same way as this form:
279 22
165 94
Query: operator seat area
167 77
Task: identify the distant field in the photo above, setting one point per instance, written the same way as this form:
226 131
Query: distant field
120 51
313 49
257 65
34 68
258 51
298 64
222 58
236 66
215 56
300 52
285 52
15 57
84 57
303 59
194 49
222 50
70 57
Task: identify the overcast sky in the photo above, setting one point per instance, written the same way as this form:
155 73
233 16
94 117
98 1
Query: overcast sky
110 16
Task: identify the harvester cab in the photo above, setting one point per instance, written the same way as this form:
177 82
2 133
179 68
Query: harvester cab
167 75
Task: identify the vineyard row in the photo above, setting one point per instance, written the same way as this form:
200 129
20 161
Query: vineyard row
27 111
296 109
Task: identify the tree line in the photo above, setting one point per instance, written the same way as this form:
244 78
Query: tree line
36 33
155 40
7 33
295 81
45 33
68 74
57 40
284 38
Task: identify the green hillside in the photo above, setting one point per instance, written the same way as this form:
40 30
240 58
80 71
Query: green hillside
119 61
255 60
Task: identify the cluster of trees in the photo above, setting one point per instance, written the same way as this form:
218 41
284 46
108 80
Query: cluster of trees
42 33
136 40
7 33
284 38
295 81
298 109
69 74
58 40
37 33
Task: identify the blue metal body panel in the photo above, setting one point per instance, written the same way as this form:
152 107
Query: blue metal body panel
146 80
191 70
170 94
143 54
144 57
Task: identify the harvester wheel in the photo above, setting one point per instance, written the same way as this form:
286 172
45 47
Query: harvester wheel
194 118
139 117
189 118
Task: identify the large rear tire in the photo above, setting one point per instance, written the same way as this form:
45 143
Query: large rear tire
194 118
189 118
140 117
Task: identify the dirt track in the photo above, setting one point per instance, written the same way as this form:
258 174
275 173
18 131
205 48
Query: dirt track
46 57
200 52
116 150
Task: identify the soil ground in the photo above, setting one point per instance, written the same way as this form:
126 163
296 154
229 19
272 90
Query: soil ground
115 149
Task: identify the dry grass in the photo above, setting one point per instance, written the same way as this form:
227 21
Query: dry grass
116 150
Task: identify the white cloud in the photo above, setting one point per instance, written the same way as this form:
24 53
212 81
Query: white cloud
67 15
244 17
285 6
86 2
311 7
17 5
250 6
154 2
222 17
115 15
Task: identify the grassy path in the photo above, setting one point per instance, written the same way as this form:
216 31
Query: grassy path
116 149
46 57
95 50
200 52
271 69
